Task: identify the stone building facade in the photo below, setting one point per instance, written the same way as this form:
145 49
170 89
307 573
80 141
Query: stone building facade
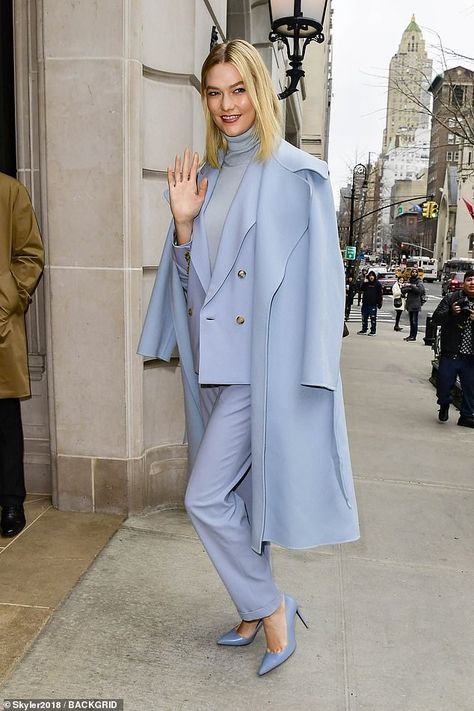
451 133
106 94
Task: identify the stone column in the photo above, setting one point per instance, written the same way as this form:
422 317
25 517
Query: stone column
91 78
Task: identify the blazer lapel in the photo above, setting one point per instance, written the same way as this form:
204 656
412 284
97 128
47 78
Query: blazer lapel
241 217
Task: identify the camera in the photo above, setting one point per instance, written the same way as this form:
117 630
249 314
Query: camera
463 302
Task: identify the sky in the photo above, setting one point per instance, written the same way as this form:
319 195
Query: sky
366 34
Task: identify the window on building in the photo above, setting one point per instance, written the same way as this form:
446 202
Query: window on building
451 122
450 137
457 95
471 242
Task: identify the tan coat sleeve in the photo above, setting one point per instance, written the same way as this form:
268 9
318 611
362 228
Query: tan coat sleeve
27 259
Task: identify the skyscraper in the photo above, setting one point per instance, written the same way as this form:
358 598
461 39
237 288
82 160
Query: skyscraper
408 81
406 136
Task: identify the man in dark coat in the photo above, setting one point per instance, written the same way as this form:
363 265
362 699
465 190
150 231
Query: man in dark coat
455 315
372 298
21 264
414 292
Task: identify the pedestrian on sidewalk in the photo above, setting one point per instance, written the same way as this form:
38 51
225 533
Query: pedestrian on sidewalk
241 293
414 292
398 302
350 293
21 264
361 279
372 299
455 315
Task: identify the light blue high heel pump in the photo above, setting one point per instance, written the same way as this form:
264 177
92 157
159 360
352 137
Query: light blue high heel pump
271 660
233 639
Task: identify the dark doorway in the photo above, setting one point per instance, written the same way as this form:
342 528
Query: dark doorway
7 92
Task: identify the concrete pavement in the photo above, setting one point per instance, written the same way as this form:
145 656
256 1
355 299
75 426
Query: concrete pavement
391 618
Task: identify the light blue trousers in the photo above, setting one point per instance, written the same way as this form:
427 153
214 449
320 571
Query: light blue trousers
218 512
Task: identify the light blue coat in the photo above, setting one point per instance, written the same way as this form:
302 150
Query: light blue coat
283 235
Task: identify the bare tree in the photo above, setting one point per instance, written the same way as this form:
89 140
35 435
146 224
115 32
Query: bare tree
453 107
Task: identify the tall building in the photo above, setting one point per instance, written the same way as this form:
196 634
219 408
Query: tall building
103 101
408 81
406 135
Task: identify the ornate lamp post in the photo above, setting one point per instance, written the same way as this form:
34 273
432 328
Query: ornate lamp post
359 171
296 20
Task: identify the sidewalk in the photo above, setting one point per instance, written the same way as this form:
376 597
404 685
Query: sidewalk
391 618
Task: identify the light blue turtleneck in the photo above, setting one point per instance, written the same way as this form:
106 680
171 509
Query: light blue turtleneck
241 150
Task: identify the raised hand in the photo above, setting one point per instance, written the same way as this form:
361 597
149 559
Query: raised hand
186 198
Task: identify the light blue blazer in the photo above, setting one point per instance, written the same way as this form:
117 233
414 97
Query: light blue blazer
281 231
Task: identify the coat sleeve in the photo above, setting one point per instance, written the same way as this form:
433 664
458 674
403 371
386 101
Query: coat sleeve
182 256
325 302
443 311
27 259
158 338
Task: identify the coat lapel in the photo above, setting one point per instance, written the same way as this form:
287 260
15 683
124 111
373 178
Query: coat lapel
241 217
282 219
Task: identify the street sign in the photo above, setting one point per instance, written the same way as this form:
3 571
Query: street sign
350 253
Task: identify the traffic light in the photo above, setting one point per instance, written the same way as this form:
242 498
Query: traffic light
430 209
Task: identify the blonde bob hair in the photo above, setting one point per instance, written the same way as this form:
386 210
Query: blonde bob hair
258 85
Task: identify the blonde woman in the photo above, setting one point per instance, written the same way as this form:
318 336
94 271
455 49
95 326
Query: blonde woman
251 289
398 302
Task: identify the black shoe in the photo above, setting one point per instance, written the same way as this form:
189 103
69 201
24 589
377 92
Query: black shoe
466 421
443 413
13 520
359 332
371 333
397 328
409 338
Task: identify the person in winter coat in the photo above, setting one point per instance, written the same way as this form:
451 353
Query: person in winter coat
21 264
414 291
372 299
245 286
350 293
455 315
398 303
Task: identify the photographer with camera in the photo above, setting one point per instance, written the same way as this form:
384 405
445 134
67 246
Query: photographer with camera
455 315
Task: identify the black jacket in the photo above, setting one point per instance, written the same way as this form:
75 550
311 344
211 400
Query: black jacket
372 294
451 324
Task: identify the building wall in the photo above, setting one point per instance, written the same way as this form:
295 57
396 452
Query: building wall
317 83
445 147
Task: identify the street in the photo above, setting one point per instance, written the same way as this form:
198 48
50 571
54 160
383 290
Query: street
387 313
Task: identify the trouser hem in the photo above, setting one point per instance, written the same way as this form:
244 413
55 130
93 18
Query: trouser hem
262 611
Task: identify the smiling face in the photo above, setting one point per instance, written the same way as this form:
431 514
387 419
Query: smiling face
228 101
468 287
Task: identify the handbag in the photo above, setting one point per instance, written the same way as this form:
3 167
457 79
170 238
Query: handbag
397 302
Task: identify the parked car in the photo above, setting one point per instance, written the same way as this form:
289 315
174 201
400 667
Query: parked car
452 282
386 281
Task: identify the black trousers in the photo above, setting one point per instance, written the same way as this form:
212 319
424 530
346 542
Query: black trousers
12 477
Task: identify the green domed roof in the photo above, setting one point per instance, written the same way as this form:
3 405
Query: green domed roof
413 27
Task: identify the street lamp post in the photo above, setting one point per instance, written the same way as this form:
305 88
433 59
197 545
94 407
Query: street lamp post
359 170
297 20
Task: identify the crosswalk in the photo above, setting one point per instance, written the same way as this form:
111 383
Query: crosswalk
387 313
